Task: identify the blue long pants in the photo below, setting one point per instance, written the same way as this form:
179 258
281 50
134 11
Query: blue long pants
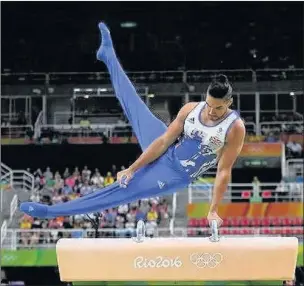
163 176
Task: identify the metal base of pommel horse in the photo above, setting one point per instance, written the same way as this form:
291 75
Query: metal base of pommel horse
177 258
141 231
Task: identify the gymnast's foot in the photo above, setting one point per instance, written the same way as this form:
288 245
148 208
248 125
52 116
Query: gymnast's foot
106 49
34 209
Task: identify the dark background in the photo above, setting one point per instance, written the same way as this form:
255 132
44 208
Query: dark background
63 36
34 276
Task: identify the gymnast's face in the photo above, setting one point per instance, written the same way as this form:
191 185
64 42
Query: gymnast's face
217 107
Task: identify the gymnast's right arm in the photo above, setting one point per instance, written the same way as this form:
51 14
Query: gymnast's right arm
160 145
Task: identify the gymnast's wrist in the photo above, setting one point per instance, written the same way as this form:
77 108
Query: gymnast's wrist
213 208
132 168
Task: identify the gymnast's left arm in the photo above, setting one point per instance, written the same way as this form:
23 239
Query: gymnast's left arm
234 145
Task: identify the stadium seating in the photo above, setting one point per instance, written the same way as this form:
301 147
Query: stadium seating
251 222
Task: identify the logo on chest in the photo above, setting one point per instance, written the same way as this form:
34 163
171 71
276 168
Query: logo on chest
198 134
219 131
191 120
215 142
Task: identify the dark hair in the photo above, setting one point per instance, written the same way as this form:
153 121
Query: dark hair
220 87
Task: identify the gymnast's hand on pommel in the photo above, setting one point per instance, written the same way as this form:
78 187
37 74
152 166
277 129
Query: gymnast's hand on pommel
214 216
124 177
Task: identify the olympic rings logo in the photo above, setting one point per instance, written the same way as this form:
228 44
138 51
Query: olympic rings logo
203 260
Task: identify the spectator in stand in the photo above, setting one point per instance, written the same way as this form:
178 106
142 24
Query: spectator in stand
296 188
97 179
122 210
120 226
25 224
67 189
49 183
134 204
109 219
70 181
66 173
48 174
42 182
86 188
76 173
108 179
144 206
37 175
255 198
37 235
86 174
271 138
295 149
59 183
152 217
281 191
60 221
46 199
35 197
163 210
299 180
265 130
57 198
114 170
74 195
299 129
130 221
140 215
54 224
67 223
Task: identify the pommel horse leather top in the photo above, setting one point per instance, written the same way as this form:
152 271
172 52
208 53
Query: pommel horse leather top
177 259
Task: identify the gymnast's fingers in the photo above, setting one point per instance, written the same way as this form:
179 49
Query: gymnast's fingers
129 176
120 178
219 222
122 181
214 216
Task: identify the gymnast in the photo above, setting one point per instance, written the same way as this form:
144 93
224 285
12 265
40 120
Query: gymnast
203 135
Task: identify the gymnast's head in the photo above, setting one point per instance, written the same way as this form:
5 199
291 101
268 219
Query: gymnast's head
219 97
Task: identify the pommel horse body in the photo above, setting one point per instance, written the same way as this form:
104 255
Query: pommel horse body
177 259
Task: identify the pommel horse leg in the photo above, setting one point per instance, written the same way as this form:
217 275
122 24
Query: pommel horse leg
177 259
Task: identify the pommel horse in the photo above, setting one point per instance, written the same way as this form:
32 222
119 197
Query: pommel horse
177 258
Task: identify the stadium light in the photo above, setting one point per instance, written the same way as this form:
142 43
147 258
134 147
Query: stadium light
128 24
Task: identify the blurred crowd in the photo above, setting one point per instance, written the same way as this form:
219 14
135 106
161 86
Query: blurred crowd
294 150
54 188
275 125
291 128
